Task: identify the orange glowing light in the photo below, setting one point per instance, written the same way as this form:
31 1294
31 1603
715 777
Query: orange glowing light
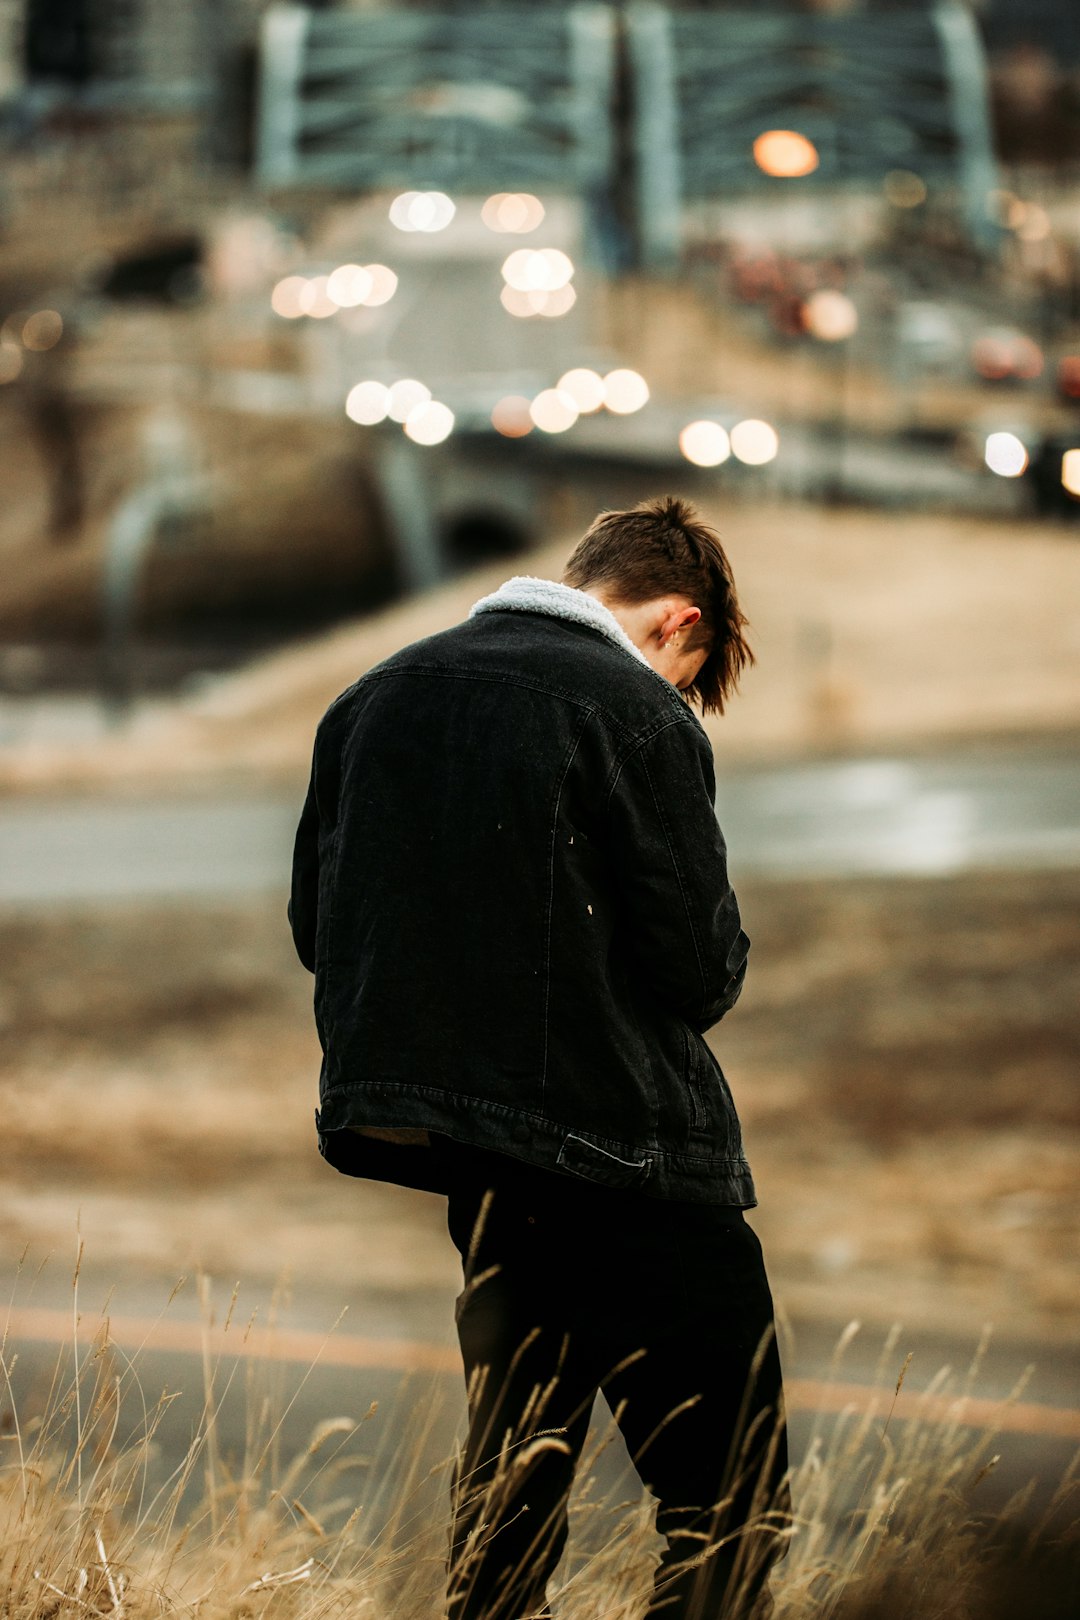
511 417
785 153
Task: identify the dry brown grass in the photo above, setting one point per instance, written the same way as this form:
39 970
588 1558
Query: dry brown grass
96 1520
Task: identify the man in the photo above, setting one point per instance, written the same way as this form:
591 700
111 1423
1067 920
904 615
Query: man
511 887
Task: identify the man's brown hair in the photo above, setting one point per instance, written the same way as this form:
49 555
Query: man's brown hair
659 548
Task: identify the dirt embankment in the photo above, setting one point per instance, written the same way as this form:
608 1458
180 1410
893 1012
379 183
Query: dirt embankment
871 632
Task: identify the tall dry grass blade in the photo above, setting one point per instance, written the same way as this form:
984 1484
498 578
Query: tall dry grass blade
896 1392
232 1307
211 1460
110 1579
842 1343
75 1350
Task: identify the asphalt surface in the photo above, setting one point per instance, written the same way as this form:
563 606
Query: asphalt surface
314 1369
896 816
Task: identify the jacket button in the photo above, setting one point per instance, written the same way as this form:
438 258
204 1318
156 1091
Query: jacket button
520 1132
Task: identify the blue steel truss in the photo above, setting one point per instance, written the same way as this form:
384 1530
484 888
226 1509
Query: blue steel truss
874 91
499 100
496 99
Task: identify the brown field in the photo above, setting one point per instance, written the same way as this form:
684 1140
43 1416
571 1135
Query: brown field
904 1058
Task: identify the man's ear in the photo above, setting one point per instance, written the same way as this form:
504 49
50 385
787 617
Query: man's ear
680 618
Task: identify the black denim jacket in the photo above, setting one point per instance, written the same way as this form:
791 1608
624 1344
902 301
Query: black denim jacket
511 887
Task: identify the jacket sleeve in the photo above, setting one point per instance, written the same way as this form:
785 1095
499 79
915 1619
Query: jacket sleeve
685 936
304 895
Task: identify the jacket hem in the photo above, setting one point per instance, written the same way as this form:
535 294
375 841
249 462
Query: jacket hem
654 1170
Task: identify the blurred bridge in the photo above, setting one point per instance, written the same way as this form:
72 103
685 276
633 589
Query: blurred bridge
640 110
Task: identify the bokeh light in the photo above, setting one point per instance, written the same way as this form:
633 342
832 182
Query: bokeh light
522 304
1068 376
526 304
399 211
511 417
553 411
512 212
705 443
558 268
1004 353
785 153
585 387
559 302
11 362
422 211
1070 471
368 403
404 396
384 284
537 269
625 391
12 329
904 189
349 285
755 442
1035 224
286 296
43 329
1005 454
830 315
315 299
429 422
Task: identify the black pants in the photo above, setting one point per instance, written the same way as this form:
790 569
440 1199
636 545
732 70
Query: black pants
570 1289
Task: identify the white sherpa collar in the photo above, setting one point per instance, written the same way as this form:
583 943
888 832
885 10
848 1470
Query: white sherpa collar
525 593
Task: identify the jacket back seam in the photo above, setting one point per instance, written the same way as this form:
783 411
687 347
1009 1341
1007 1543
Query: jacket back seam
571 750
682 886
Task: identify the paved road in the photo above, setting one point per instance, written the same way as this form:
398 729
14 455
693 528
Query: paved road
315 1371
908 817
915 816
